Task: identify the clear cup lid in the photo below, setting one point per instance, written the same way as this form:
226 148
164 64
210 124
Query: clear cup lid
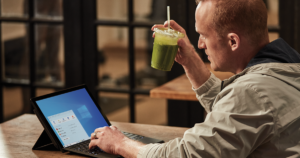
169 32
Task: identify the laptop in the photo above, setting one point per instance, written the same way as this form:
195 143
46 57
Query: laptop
70 116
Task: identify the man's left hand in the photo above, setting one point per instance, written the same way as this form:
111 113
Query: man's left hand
113 141
108 139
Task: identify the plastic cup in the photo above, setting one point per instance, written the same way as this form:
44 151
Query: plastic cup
165 48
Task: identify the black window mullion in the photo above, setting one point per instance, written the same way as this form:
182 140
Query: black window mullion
131 74
72 11
32 19
89 43
274 29
286 20
1 77
32 65
297 25
131 62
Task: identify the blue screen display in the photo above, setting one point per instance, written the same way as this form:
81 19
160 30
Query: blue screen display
73 116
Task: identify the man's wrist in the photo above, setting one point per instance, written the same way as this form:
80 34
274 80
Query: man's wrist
193 62
129 148
191 55
196 70
192 58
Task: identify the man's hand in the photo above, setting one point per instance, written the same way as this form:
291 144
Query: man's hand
108 139
186 50
187 56
113 141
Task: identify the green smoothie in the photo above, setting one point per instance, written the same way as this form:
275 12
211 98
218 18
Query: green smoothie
163 56
165 48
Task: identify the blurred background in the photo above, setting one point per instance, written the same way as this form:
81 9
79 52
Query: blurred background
48 45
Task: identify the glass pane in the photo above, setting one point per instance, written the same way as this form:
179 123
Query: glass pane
113 57
115 106
151 110
13 98
15 52
114 10
14 8
273 36
146 76
151 10
273 7
50 9
49 54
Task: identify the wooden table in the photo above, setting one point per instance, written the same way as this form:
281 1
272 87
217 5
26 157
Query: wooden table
181 89
18 136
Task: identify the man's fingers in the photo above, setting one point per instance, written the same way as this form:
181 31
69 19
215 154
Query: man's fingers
93 143
99 134
157 26
92 136
105 128
94 140
98 130
101 129
113 127
174 26
181 43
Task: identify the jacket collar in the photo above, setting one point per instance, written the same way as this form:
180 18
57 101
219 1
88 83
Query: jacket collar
275 52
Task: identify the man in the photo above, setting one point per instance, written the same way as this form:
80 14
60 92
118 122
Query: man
255 113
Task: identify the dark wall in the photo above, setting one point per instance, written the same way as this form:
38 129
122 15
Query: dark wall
289 21
184 113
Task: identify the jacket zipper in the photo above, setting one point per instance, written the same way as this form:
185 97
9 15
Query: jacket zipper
222 86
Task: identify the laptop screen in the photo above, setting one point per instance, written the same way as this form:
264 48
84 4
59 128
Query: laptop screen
73 116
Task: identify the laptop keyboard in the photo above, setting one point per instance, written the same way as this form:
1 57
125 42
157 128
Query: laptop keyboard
84 146
133 136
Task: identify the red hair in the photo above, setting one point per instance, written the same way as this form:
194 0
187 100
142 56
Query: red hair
248 17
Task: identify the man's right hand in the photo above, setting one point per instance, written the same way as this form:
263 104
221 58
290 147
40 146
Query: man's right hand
186 50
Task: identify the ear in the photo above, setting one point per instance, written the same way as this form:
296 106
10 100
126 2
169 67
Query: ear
234 41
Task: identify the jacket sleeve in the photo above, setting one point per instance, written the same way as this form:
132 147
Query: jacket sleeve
207 93
238 123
